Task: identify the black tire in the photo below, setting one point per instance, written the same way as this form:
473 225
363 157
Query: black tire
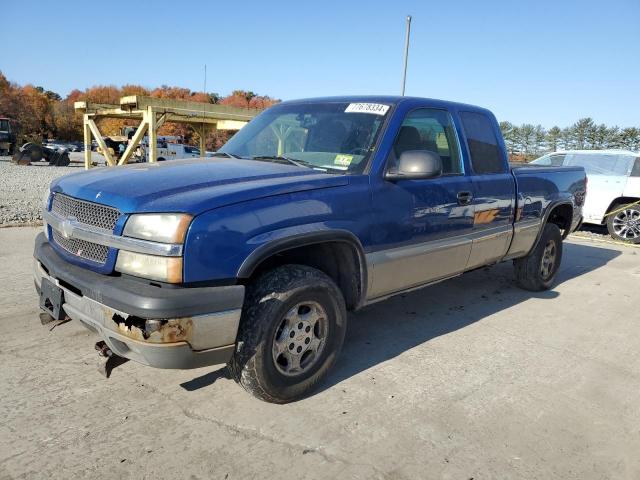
63 160
629 218
35 152
269 299
161 159
531 273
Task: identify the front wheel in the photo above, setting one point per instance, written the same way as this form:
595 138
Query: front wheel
537 271
291 332
625 224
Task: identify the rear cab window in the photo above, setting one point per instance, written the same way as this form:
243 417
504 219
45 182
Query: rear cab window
486 156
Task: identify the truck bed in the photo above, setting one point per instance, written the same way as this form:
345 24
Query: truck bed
539 187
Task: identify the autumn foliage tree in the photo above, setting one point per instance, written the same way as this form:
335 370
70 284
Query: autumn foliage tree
43 114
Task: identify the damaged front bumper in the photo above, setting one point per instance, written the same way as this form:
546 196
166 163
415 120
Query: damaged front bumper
169 327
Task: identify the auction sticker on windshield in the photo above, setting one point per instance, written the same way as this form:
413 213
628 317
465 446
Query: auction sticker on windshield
343 160
374 108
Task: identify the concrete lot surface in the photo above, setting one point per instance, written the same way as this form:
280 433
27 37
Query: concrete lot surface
471 378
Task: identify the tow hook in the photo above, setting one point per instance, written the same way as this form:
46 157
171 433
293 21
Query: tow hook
107 360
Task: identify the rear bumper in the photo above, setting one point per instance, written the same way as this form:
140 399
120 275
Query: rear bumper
197 326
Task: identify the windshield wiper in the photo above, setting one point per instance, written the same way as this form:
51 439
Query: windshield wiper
297 163
226 154
276 158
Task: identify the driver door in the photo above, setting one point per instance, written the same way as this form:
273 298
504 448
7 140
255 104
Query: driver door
424 226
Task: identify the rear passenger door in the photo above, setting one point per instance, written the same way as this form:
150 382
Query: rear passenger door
493 190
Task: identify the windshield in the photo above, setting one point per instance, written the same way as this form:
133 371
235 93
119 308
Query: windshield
4 125
335 137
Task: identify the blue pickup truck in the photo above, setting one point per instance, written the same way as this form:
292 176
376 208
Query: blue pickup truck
252 258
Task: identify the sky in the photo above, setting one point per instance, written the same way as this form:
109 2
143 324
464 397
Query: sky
541 62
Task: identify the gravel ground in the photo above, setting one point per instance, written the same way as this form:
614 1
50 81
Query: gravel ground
22 187
21 192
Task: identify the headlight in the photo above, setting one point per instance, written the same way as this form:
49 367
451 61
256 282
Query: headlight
159 227
164 269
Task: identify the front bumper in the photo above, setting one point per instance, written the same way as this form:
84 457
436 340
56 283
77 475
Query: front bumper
198 325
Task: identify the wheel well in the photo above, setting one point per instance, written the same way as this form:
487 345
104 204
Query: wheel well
620 201
562 216
339 260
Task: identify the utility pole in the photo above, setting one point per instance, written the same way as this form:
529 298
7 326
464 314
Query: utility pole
406 54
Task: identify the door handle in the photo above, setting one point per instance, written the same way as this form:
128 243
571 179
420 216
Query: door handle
464 198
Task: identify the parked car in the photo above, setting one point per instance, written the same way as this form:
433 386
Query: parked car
614 188
57 145
314 208
167 151
76 146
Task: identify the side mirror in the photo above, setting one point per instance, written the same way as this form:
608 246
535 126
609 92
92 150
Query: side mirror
416 165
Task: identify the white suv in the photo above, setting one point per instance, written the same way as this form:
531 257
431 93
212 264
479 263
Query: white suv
614 186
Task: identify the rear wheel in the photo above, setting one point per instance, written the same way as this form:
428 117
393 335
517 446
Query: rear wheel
625 224
537 271
291 332
62 159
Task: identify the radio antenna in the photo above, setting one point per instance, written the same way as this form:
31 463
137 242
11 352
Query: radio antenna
406 54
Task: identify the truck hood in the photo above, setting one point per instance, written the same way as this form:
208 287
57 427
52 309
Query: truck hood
190 186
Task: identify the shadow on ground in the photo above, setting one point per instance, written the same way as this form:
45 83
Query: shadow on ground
591 228
383 331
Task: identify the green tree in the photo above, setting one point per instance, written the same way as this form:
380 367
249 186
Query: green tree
539 136
508 132
553 138
526 139
629 138
611 137
582 133
597 136
566 138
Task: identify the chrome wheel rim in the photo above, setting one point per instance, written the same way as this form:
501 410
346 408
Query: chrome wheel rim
300 338
626 224
548 262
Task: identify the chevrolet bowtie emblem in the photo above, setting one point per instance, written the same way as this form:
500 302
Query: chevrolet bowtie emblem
66 228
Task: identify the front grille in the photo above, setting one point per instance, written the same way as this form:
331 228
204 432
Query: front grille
89 213
82 248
